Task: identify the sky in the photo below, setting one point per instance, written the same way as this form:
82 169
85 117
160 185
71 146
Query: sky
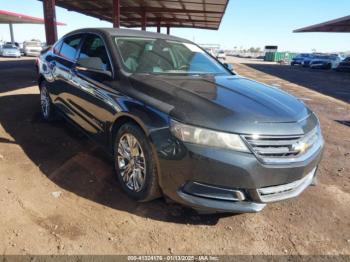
247 23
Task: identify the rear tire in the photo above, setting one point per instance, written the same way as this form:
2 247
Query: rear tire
135 164
46 107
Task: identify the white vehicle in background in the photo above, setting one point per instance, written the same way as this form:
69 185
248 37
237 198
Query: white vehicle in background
211 51
221 55
10 50
32 48
326 61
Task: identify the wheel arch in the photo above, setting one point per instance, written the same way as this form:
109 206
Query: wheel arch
122 119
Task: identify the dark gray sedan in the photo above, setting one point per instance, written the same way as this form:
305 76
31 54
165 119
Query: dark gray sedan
178 123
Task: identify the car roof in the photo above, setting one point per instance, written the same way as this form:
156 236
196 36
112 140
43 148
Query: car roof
129 33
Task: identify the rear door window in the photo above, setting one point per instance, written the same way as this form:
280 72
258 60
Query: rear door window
70 47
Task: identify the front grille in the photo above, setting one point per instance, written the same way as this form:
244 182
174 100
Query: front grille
284 149
282 192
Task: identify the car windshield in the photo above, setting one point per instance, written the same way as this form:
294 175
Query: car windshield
9 47
159 56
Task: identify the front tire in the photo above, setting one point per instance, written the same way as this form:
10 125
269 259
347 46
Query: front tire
46 107
135 164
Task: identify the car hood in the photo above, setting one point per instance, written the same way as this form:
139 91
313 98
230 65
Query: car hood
227 103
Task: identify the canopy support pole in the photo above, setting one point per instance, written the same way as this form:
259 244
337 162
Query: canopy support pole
144 21
11 33
158 26
116 13
168 30
50 21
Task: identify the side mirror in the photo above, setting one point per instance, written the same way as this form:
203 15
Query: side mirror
93 64
228 66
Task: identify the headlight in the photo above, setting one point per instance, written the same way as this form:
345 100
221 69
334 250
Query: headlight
201 136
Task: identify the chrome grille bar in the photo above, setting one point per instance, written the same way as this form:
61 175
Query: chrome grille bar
281 192
285 149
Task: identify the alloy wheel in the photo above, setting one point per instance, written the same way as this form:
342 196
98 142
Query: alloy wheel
131 162
45 102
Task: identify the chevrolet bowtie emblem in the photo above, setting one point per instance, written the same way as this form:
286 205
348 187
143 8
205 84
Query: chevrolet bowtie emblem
301 147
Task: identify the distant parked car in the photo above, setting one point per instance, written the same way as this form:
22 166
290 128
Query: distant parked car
299 59
210 51
32 48
344 65
325 61
221 55
306 62
21 48
10 51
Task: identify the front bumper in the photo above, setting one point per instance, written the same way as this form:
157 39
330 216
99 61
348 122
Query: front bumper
32 53
11 54
226 175
213 205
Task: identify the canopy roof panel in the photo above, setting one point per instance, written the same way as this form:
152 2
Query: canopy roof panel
340 25
206 14
7 17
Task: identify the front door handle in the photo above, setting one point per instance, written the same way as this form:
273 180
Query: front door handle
52 64
80 68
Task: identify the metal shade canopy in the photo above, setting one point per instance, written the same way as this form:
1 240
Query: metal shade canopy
205 14
340 25
7 17
11 18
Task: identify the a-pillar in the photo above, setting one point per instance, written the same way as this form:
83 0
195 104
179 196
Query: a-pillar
158 26
144 21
